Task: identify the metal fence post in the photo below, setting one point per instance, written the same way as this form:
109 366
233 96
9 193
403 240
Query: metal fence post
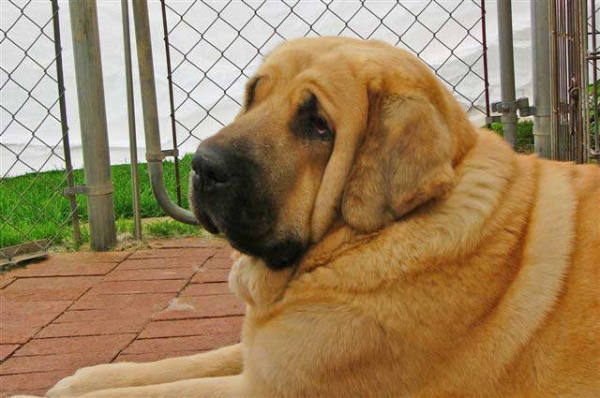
63 121
92 112
135 186
540 32
508 107
154 153
593 55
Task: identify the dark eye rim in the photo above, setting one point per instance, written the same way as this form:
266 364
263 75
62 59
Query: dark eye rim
311 122
322 128
250 93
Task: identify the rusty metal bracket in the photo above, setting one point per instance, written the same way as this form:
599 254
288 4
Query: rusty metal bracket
89 190
160 156
521 105
493 119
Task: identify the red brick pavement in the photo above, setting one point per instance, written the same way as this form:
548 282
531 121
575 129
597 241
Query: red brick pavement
80 309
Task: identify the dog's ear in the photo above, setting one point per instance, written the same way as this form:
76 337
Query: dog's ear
405 160
351 114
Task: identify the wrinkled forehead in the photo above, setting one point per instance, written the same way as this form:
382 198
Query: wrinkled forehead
337 54
299 56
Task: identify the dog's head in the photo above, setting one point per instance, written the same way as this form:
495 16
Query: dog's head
331 129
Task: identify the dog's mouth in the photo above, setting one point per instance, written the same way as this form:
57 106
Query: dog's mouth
207 223
235 226
255 241
276 256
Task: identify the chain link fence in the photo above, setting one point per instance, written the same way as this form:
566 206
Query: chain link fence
213 47
575 55
567 78
593 69
31 69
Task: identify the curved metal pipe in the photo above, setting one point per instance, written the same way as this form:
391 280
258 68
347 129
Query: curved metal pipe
154 154
507 71
135 186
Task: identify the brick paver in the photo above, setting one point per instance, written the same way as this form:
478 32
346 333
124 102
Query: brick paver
188 343
153 356
100 301
172 253
30 313
206 289
218 263
72 345
48 288
17 334
163 263
44 363
79 309
30 383
92 328
7 349
210 275
139 287
192 327
54 268
201 307
5 281
187 243
143 274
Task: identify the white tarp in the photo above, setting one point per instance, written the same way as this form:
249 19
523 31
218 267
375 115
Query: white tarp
36 156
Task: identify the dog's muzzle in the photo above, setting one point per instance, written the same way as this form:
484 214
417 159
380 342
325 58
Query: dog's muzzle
226 195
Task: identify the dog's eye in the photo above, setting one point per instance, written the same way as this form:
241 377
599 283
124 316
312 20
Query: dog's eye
321 128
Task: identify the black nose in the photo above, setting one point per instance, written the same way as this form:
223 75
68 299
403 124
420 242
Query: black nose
211 166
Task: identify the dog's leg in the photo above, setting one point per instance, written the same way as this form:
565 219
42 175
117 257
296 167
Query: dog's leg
222 362
209 387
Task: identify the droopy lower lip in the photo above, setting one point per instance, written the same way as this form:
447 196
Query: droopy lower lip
207 222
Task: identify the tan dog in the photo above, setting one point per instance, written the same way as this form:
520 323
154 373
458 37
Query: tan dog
392 249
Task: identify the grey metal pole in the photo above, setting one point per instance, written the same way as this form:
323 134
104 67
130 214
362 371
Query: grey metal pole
554 87
63 121
92 113
593 58
540 32
135 186
508 107
154 154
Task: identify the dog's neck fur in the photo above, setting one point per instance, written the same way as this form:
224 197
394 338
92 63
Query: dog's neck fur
341 239
435 249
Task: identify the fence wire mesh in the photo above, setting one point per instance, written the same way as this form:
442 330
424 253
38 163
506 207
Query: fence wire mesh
593 57
567 77
575 55
31 69
206 74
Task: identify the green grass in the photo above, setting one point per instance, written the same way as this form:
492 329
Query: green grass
169 228
524 135
31 207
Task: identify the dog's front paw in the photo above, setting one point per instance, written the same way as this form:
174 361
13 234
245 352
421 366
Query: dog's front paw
90 379
23 396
